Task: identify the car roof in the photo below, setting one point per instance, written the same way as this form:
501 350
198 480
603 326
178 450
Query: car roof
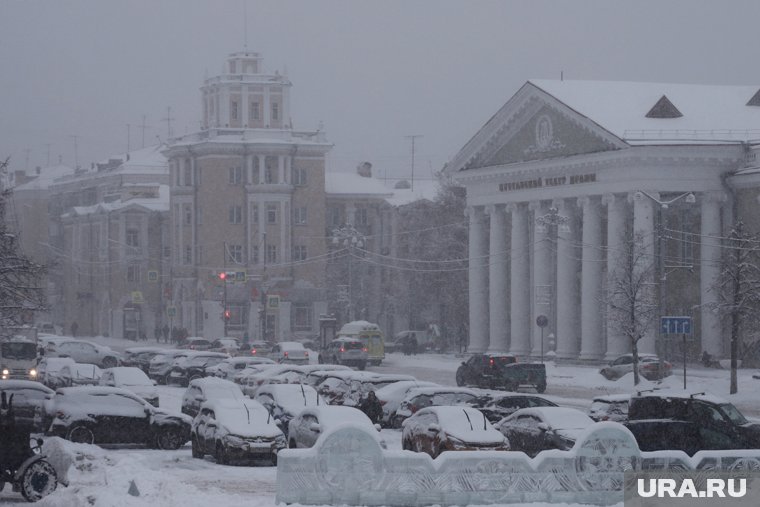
337 414
680 394
612 398
213 381
24 384
93 390
439 390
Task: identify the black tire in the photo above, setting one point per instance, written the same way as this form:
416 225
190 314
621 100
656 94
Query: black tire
405 445
80 434
2 485
38 481
110 362
195 449
168 379
540 388
221 455
274 459
362 366
169 439
460 377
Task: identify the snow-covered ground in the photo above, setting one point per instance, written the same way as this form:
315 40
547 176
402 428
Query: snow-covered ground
102 477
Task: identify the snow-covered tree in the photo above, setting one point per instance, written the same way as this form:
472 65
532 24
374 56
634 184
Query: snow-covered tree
21 292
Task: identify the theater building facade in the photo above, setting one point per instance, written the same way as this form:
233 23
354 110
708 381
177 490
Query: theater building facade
574 187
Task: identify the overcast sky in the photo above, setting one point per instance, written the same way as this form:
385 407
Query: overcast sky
372 71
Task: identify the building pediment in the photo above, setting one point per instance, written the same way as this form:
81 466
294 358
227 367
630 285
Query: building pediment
533 125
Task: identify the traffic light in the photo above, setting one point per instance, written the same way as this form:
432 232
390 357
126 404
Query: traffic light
222 276
227 314
227 276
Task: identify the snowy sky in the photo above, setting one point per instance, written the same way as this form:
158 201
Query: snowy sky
372 71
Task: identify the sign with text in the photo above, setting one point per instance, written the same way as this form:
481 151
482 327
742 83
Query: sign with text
675 325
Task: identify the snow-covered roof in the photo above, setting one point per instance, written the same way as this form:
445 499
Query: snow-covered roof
710 113
160 203
46 177
142 160
423 190
350 184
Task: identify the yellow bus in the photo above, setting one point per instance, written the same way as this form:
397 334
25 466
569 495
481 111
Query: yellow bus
370 335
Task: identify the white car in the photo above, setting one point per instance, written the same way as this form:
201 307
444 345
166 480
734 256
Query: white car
229 367
310 423
85 352
285 401
80 374
423 397
206 389
393 394
289 352
49 368
244 376
160 366
132 379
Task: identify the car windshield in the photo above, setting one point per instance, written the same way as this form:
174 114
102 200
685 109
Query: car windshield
733 413
18 350
133 377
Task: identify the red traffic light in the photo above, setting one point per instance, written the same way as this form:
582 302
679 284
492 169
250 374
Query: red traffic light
226 314
222 275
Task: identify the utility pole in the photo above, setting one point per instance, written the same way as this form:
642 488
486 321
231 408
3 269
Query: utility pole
143 126
413 138
128 128
168 121
263 311
26 163
76 155
48 154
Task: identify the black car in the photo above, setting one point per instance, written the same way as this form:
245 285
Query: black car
494 371
532 430
663 420
111 415
193 366
29 400
140 357
497 408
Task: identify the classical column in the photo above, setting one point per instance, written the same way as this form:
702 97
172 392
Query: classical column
497 279
709 271
567 268
617 251
478 271
592 347
519 340
543 276
644 263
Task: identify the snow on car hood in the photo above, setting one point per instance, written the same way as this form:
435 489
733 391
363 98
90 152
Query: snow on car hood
256 422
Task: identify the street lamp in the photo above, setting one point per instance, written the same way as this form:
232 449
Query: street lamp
349 237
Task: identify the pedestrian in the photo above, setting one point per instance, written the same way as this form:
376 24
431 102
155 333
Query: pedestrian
74 328
157 333
413 344
372 407
166 333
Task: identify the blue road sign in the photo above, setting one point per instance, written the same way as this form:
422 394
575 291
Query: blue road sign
675 325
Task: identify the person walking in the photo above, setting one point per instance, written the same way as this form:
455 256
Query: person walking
372 407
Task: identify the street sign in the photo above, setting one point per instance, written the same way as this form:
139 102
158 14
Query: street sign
675 325
240 276
137 297
542 321
152 275
273 302
171 311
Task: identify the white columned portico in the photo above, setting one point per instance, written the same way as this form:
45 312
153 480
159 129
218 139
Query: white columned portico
519 301
543 274
478 271
497 272
567 306
709 271
644 262
592 347
617 251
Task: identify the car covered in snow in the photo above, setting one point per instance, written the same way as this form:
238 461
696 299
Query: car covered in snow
227 368
111 415
498 406
289 352
140 357
83 351
236 430
650 367
29 402
228 345
250 374
285 401
132 379
206 389
195 343
193 366
392 395
532 430
345 351
435 430
311 422
349 387
613 407
423 397
160 366
80 374
48 370
258 349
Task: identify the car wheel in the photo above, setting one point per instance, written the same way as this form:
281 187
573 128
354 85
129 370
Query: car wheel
38 481
168 439
362 366
195 448
168 379
274 459
80 434
109 362
221 454
460 378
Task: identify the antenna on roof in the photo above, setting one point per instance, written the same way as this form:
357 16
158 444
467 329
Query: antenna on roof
245 25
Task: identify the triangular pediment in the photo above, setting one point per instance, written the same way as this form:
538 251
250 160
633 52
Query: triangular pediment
664 108
533 125
755 100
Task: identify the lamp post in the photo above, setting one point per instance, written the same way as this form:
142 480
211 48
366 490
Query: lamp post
349 237
554 223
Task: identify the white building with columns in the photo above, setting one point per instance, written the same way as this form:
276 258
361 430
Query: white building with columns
568 177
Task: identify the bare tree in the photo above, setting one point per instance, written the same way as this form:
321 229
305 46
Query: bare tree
631 298
21 293
738 289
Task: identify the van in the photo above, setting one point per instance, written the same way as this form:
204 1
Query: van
370 335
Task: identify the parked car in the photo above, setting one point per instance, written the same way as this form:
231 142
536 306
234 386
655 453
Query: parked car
293 374
289 352
48 370
435 430
345 351
111 415
258 349
495 371
227 368
195 343
613 407
80 374
206 389
85 352
285 401
317 376
675 420
140 357
650 367
228 345
235 430
498 406
306 427
29 403
532 430
248 375
193 366
393 394
349 387
423 397
132 379
161 365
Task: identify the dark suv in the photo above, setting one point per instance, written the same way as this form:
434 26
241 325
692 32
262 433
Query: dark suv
662 420
493 371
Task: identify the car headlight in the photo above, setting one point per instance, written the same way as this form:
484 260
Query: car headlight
32 372
6 371
234 441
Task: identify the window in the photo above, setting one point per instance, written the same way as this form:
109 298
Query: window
299 215
167 251
188 255
199 254
255 213
275 111
271 254
188 212
255 179
253 111
133 273
302 315
133 237
188 174
236 214
361 216
255 254
235 253
299 253
198 215
299 177
270 170
334 216
272 213
234 110
235 175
